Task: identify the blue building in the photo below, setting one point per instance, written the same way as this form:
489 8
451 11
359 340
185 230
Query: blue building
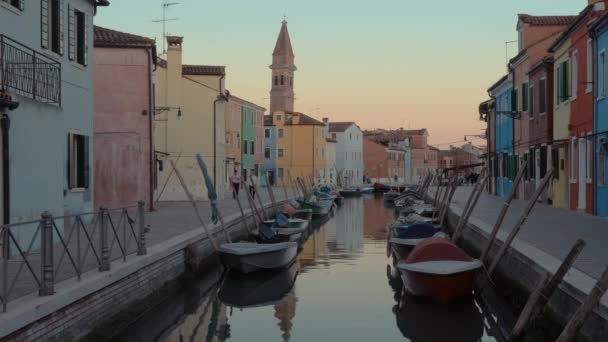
269 168
600 126
504 162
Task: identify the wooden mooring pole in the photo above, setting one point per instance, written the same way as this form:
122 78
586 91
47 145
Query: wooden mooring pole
543 292
584 310
465 219
522 219
446 207
503 211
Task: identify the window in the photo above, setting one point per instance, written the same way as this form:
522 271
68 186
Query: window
244 146
282 80
514 104
281 133
543 161
589 66
276 80
524 96
291 82
531 96
51 25
278 117
15 3
267 133
280 153
542 96
574 74
574 160
267 152
252 147
280 172
333 136
601 162
78 161
563 84
589 159
601 77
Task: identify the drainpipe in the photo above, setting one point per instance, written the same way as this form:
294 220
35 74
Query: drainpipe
5 122
220 97
150 131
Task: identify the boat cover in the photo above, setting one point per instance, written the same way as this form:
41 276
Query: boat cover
440 267
249 248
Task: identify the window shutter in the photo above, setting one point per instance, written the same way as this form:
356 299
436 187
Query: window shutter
86 38
44 24
87 173
514 100
565 82
68 161
71 33
21 5
61 25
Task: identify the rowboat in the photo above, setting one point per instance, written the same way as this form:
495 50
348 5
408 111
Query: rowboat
319 208
258 289
350 193
391 195
247 257
438 269
403 239
381 187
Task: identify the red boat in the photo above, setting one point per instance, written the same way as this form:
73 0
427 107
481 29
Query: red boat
438 269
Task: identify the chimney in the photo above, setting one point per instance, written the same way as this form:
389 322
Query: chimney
174 70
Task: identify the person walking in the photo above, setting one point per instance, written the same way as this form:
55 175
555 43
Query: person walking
236 183
254 183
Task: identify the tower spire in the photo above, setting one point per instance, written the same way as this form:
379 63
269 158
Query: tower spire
283 68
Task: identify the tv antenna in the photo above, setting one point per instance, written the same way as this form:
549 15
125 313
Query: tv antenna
165 5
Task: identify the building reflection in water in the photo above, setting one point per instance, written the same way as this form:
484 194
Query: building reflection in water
375 219
285 311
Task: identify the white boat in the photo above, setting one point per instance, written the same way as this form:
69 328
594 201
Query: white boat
247 257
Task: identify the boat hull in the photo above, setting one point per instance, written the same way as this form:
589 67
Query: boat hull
442 289
401 251
262 261
350 193
321 209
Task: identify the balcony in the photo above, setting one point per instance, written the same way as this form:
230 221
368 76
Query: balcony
29 73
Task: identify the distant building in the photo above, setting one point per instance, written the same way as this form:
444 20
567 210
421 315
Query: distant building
123 117
349 149
269 168
383 162
283 68
232 119
190 115
251 135
330 162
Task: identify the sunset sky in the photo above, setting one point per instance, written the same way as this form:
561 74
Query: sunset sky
381 63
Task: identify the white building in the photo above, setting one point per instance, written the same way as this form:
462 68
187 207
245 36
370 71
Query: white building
45 66
330 162
349 150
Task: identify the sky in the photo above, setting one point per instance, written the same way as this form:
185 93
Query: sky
380 63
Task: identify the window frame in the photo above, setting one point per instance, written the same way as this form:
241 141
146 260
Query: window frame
280 153
267 133
281 133
78 162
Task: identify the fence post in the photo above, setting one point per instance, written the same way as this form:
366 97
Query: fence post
104 264
141 243
46 255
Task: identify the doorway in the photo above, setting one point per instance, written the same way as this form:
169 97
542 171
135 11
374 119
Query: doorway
582 173
270 177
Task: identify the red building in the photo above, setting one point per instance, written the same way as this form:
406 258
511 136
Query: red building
383 162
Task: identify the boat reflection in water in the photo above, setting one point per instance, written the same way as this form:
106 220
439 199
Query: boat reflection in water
257 289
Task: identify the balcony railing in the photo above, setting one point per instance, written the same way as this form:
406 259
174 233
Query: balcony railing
29 73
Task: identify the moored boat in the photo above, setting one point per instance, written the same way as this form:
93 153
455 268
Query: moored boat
438 269
403 239
350 193
247 257
319 208
391 195
381 187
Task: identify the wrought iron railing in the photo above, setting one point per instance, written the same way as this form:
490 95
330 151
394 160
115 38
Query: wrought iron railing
29 73
54 249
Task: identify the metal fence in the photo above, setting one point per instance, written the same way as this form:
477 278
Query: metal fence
38 253
28 72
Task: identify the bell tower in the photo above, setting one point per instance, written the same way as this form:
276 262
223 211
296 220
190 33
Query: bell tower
283 69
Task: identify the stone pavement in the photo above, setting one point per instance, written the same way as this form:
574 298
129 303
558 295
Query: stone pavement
170 219
552 230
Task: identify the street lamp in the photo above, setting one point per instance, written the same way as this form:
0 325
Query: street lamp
158 110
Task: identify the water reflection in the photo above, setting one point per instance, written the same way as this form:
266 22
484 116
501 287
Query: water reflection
341 294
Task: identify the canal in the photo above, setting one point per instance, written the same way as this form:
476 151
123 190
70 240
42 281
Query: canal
341 288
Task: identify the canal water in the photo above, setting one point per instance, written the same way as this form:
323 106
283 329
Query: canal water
341 288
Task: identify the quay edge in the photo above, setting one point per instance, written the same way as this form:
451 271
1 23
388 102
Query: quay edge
79 308
522 268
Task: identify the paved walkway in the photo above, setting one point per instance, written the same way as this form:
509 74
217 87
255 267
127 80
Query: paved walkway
552 230
171 219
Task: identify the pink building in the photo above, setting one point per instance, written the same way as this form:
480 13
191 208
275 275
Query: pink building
383 162
122 119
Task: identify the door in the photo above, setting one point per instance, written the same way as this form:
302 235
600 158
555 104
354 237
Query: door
582 173
270 178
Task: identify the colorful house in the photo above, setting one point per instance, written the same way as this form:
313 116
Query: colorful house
122 119
600 129
232 119
504 160
383 162
330 162
190 113
269 167
300 145
535 36
349 149
251 137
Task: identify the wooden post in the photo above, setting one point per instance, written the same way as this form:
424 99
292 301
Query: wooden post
243 217
223 225
272 199
503 211
463 223
196 211
254 210
257 195
449 201
584 310
522 220
467 206
540 297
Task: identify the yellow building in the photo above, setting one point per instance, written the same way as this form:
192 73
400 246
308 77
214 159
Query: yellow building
189 119
300 142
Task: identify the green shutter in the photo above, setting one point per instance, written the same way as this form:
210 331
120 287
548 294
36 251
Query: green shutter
514 100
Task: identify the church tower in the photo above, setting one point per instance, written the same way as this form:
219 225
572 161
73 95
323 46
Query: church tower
283 68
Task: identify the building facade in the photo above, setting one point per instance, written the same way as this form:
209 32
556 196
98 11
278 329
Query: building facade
504 160
251 136
330 162
283 69
600 129
190 112
349 150
269 168
232 123
122 119
47 122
